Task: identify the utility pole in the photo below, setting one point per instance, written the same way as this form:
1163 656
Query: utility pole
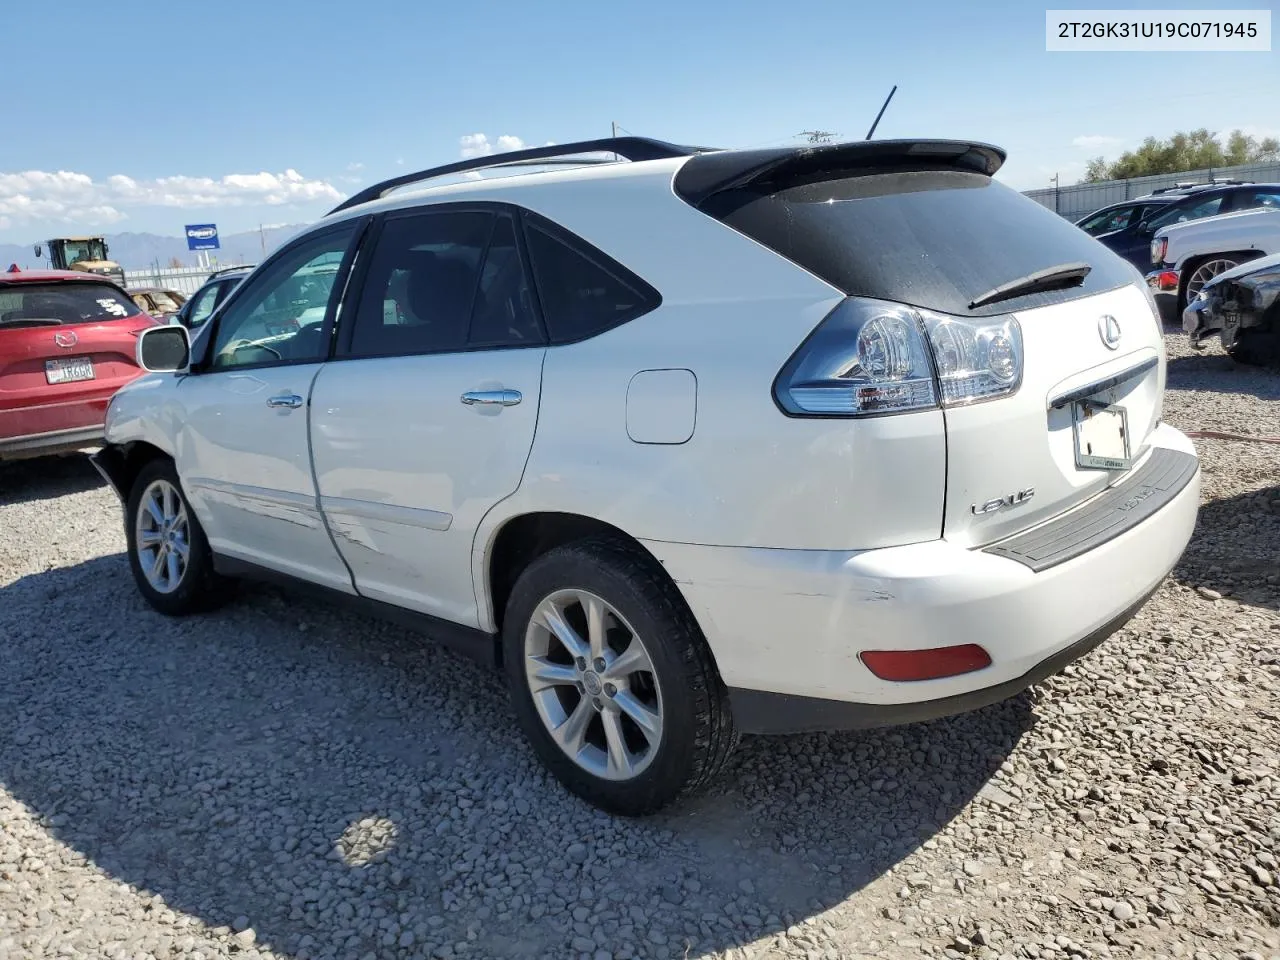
263 237
1054 181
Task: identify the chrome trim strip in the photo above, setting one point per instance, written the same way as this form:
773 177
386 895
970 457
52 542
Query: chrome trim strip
404 516
1089 389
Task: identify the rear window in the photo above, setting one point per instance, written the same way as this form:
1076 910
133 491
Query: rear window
77 301
932 238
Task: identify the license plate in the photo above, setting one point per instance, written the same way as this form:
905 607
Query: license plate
68 370
1102 435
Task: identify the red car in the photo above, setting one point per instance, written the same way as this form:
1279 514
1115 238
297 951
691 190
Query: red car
67 343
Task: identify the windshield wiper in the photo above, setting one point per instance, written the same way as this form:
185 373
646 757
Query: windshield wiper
31 322
1050 278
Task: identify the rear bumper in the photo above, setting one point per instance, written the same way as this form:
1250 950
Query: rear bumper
787 626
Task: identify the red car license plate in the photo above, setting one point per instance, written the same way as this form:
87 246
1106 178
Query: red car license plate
68 369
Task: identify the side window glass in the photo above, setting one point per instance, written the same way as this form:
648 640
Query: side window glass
279 317
1206 209
203 305
583 291
421 285
503 314
1258 198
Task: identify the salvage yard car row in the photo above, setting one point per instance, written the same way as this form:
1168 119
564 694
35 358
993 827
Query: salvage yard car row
1185 238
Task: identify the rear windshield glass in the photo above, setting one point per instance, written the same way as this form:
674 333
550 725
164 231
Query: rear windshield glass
72 301
932 238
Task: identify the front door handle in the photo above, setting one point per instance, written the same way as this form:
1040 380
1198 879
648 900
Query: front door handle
291 400
503 398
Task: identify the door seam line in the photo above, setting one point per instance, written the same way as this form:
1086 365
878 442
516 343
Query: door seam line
315 485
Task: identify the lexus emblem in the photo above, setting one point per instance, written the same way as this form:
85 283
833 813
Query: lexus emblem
1109 331
66 339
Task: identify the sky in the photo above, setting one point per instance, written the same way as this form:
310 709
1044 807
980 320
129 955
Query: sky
246 113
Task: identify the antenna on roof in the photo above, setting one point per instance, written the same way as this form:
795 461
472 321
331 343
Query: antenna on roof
881 113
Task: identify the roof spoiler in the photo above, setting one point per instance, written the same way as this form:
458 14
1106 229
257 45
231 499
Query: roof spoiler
706 174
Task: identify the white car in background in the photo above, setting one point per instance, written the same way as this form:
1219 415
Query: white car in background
703 443
1188 255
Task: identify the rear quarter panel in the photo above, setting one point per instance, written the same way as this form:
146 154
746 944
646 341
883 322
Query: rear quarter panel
733 312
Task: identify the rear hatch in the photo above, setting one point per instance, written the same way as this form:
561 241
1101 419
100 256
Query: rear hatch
944 239
63 343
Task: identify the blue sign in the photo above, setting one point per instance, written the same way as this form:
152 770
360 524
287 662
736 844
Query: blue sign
202 236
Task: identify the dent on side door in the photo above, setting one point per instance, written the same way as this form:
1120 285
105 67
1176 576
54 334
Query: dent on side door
248 465
406 468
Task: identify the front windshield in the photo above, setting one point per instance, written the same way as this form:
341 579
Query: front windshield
1107 221
78 250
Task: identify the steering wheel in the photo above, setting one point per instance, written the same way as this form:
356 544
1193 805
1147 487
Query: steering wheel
240 344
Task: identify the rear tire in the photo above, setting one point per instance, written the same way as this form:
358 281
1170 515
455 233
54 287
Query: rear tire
168 552
584 688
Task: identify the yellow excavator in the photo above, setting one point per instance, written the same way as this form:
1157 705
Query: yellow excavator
86 254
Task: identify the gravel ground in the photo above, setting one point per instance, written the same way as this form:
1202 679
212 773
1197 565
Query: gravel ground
284 780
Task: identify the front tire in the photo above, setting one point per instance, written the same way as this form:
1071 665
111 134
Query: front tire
611 679
1200 271
168 552
1256 348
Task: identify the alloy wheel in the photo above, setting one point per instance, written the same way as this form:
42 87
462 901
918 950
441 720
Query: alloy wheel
162 536
593 684
1204 273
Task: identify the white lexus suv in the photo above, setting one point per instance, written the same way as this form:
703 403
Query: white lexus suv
688 442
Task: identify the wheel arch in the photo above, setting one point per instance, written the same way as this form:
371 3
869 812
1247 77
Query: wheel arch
120 463
1192 263
520 539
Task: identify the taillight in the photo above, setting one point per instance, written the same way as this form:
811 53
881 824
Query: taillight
874 357
1159 247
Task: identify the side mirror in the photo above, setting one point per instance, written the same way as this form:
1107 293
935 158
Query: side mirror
164 349
39 251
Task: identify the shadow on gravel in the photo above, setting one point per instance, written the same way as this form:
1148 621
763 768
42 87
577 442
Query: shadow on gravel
1233 549
350 790
46 478
1216 372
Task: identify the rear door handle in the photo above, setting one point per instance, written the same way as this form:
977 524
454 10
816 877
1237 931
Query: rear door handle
285 400
503 398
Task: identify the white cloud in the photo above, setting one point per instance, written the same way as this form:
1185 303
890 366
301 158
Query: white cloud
1252 130
479 145
67 197
352 167
1093 141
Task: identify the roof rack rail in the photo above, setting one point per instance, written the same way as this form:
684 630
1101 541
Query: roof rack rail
1180 185
630 148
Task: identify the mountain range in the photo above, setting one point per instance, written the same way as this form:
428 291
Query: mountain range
138 251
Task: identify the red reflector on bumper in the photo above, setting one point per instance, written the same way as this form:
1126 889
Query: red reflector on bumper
1168 280
901 665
